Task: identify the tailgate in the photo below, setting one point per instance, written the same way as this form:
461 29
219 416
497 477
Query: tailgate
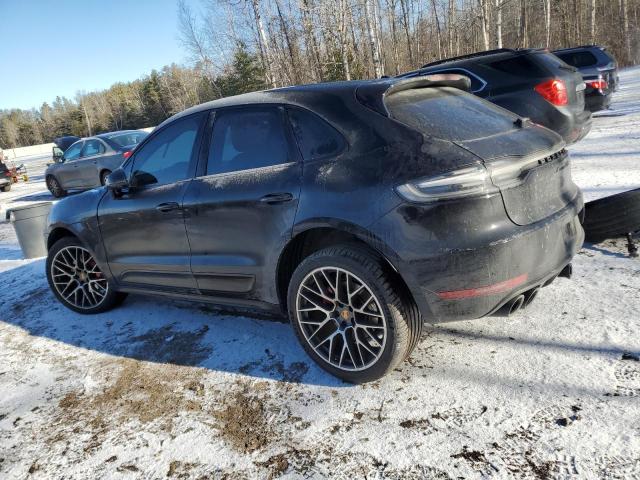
534 179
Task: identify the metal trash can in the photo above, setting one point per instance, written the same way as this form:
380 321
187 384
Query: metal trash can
29 223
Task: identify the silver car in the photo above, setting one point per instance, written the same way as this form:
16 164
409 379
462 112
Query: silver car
87 162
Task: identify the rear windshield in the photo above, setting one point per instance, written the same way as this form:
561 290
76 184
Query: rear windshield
127 139
579 59
449 113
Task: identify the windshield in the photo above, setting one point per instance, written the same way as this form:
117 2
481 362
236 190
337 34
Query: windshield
127 139
449 113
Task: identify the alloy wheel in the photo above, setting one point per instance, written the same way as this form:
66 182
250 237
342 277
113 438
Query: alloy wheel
54 187
341 318
77 278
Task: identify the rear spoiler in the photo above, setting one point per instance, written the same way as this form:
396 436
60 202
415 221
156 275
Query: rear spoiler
373 95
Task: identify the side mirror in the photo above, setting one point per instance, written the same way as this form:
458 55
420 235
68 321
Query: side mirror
117 180
58 155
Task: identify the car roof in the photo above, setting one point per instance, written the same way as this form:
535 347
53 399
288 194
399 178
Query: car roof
367 93
488 55
581 47
108 135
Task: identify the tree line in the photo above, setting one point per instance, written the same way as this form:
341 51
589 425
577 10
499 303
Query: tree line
237 46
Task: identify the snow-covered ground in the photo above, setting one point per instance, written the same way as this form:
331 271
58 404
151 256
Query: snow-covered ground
161 389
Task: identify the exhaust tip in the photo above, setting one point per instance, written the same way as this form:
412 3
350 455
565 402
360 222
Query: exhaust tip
530 296
516 304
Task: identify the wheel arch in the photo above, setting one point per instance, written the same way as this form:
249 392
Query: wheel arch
320 234
58 233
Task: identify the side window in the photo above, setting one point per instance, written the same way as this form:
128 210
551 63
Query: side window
247 138
166 157
92 147
73 152
315 137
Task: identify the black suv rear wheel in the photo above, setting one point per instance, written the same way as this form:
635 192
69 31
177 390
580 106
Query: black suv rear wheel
349 317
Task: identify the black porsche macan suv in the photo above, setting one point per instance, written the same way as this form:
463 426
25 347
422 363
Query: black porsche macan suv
362 209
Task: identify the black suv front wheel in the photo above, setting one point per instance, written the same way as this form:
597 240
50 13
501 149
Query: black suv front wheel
348 315
76 279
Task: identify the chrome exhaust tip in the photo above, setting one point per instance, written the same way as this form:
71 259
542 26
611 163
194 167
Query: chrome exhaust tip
516 305
530 296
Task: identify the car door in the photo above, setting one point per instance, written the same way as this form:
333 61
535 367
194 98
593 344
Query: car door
65 171
143 228
242 206
87 166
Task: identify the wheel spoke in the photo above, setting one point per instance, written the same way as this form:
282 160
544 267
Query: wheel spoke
360 323
77 278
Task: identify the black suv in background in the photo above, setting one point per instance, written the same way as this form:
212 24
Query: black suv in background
360 208
531 83
599 71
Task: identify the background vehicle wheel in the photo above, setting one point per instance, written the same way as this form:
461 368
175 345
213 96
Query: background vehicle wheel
612 216
348 315
6 188
77 281
54 187
103 177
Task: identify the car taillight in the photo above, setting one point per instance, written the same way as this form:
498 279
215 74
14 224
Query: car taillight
466 182
127 154
597 84
553 91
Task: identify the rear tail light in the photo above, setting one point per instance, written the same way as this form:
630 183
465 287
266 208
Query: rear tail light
475 181
466 182
597 84
127 154
554 91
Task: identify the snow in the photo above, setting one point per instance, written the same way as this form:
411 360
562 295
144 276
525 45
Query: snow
159 389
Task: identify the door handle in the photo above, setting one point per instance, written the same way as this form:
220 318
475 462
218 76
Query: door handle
168 207
274 198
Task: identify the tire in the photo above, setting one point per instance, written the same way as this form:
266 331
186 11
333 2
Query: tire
612 216
97 293
103 177
54 187
383 331
6 188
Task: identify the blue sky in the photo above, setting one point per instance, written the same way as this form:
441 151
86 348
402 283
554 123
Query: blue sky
50 48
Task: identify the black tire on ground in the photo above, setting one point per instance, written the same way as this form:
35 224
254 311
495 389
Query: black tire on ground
112 298
403 321
103 176
6 188
54 187
612 216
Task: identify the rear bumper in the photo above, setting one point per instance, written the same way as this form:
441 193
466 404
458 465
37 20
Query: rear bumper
596 102
576 126
487 267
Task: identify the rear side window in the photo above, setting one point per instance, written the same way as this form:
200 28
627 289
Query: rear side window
519 65
166 157
448 113
92 147
579 59
315 137
247 138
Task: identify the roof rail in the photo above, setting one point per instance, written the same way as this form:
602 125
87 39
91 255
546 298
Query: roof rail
602 47
473 55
